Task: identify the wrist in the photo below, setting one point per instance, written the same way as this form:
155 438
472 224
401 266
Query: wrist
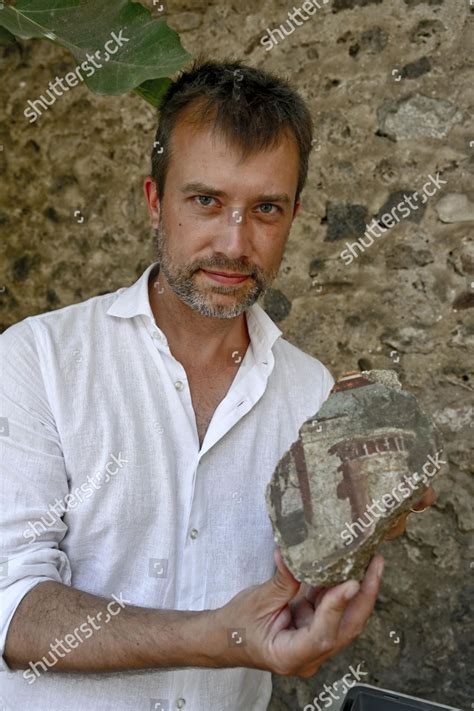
225 641
210 639
199 634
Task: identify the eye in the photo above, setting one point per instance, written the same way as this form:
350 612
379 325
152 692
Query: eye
270 205
203 197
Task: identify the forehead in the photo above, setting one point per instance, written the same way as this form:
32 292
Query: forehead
204 153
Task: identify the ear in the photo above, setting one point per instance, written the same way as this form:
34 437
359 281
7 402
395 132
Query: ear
296 209
152 201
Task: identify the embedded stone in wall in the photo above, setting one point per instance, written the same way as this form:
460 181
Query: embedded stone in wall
276 304
416 69
417 116
365 458
455 207
345 221
415 214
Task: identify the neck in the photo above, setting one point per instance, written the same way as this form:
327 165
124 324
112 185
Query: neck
194 339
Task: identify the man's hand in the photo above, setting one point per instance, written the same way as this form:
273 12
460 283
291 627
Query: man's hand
428 499
294 640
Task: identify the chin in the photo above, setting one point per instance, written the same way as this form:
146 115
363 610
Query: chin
221 308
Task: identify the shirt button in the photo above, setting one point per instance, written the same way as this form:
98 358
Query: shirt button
194 533
180 703
179 385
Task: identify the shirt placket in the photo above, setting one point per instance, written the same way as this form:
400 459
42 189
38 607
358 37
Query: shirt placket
188 562
191 558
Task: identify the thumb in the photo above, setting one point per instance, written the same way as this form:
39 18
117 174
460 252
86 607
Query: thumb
284 584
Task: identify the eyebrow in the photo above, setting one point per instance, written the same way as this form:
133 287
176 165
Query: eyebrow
203 189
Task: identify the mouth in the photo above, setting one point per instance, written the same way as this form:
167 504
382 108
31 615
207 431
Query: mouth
226 277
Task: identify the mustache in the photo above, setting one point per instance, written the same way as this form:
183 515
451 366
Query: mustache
226 267
215 263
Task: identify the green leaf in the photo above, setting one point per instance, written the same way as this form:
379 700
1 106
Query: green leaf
153 90
149 48
6 37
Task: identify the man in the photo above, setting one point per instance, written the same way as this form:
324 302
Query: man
141 428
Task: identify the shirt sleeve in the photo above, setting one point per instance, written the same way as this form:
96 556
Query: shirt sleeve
328 382
33 479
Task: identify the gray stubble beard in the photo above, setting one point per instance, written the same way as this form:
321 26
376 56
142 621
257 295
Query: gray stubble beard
181 282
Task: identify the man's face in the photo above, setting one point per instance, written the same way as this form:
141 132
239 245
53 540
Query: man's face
219 215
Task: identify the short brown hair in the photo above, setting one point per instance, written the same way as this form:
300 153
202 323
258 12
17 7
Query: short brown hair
251 108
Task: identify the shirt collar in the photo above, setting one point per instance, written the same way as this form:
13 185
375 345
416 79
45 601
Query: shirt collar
134 300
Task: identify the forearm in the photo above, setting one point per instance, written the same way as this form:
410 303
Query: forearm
73 625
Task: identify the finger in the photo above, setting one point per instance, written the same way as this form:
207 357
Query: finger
283 580
312 593
298 598
320 593
309 670
397 529
282 567
328 616
303 613
309 645
361 606
302 608
428 499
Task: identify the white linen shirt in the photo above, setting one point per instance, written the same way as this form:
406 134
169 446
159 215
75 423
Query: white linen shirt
92 393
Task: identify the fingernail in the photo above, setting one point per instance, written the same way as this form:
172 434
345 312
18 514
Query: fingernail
352 591
380 566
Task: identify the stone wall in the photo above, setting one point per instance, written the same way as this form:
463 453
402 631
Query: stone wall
390 90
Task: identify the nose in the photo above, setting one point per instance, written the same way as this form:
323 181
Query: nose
234 234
